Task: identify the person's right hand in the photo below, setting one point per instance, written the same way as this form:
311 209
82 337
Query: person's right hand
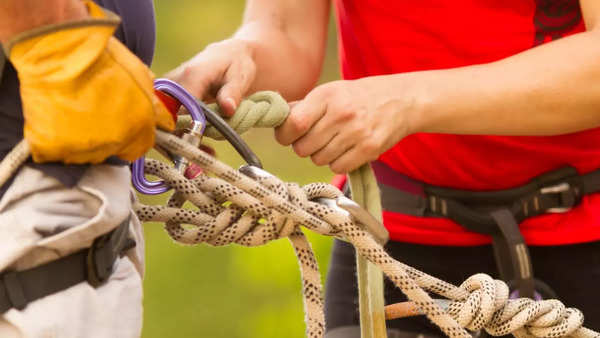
224 72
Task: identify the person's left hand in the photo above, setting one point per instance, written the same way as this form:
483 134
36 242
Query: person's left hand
344 124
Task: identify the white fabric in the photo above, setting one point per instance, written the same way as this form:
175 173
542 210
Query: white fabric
41 220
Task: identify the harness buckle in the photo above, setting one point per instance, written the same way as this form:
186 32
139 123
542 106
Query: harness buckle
104 251
563 189
350 208
372 225
97 265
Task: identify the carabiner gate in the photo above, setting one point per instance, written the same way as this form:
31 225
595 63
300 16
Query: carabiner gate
201 115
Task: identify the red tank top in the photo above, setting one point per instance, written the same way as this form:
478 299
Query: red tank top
384 37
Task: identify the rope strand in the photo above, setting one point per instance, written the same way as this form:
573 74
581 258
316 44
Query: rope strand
234 208
267 209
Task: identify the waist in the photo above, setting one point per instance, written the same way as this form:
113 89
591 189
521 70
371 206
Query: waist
481 162
559 207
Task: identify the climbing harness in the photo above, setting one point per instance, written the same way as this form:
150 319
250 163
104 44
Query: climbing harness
252 207
93 264
493 213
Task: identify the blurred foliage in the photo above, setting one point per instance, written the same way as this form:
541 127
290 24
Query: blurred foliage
232 291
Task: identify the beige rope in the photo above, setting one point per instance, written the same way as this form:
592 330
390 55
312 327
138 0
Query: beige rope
266 209
234 208
263 109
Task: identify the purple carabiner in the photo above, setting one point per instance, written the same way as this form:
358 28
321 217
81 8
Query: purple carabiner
196 111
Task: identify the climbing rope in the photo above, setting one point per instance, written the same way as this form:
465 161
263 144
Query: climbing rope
253 207
265 209
265 109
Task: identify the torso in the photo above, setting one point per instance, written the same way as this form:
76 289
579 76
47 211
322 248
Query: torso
385 37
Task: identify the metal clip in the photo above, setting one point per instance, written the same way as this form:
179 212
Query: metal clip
557 189
254 172
373 226
350 208
193 137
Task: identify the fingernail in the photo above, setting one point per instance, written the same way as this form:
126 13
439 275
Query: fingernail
232 103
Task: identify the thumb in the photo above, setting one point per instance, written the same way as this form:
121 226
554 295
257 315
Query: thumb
229 98
237 81
193 78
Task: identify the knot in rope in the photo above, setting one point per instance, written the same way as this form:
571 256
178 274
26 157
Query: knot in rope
488 307
264 109
235 208
226 214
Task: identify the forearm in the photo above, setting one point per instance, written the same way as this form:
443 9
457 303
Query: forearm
552 89
17 16
287 43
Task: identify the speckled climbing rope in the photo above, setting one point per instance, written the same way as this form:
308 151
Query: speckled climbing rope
234 208
267 209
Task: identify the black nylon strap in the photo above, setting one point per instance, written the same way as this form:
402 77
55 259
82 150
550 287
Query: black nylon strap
591 182
18 288
556 191
14 291
505 196
494 213
511 253
403 203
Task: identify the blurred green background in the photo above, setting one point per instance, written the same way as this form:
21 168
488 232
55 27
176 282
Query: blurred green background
232 291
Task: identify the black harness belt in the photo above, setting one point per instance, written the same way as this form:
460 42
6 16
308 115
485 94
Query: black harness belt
94 265
495 213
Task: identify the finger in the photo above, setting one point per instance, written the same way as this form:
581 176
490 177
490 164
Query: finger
174 74
191 79
301 119
237 81
321 133
349 160
331 151
198 78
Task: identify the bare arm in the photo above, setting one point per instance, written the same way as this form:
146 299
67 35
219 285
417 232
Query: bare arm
280 46
548 90
551 89
288 39
17 16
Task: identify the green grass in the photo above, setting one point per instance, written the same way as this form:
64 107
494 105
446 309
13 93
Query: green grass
202 291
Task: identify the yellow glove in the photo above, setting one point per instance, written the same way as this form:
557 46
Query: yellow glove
85 96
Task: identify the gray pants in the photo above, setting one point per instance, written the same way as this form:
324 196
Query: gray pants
42 220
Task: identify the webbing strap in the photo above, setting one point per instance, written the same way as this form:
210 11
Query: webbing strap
370 278
94 264
591 182
511 253
494 213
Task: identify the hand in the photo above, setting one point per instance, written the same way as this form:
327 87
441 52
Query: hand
223 71
85 96
345 124
18 16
